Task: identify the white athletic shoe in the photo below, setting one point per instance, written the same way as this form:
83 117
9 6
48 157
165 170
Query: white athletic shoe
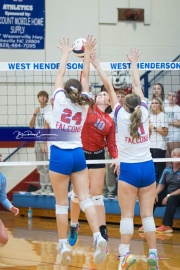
64 254
100 249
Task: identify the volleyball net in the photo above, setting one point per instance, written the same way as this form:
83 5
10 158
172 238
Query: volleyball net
21 82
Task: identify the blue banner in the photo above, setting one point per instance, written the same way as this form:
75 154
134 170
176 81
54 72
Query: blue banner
22 24
12 134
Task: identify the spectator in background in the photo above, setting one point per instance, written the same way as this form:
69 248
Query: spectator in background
37 121
173 116
8 205
158 91
168 193
158 130
110 183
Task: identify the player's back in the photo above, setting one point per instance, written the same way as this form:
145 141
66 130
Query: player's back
137 149
69 118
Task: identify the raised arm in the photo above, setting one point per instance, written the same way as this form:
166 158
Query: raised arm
105 80
88 46
133 58
64 47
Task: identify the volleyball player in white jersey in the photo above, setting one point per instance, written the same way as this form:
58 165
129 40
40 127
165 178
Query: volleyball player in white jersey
67 159
137 173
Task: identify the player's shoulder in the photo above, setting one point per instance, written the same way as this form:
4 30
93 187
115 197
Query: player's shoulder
57 92
144 104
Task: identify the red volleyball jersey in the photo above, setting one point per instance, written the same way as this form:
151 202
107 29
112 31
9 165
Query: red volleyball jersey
98 132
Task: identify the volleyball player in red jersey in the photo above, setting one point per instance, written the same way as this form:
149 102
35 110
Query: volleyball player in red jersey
97 133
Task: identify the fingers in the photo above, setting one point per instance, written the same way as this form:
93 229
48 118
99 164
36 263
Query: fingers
67 42
94 41
118 170
91 41
134 54
15 210
128 57
63 43
89 38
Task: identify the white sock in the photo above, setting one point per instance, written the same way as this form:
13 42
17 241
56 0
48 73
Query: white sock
123 249
153 250
95 235
63 241
73 224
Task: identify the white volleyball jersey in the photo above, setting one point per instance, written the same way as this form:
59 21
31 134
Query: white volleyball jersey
39 122
48 117
69 119
159 121
132 150
173 115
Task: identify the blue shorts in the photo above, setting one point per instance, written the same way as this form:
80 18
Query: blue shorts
67 161
139 175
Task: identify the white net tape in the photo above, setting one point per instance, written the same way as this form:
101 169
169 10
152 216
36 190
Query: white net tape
102 161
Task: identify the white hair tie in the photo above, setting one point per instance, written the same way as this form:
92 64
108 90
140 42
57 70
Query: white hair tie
73 88
137 107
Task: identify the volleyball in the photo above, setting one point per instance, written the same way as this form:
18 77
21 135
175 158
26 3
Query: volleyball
78 47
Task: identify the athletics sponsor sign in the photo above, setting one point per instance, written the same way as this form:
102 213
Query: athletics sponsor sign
22 24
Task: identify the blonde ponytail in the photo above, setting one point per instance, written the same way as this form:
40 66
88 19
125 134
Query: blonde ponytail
133 102
135 123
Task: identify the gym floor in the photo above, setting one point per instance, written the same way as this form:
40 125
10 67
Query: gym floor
33 245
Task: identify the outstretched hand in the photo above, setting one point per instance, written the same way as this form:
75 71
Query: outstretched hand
90 43
94 60
64 46
134 55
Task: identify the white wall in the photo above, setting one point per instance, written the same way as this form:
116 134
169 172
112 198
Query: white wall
157 41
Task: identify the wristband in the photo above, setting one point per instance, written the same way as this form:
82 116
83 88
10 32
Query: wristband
168 195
